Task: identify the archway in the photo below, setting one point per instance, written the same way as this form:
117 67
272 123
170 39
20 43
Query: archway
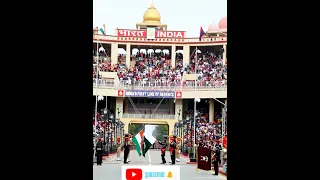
158 131
169 122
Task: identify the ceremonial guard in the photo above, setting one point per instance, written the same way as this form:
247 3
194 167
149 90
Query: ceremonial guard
99 149
126 147
219 149
178 149
215 160
173 149
163 149
118 145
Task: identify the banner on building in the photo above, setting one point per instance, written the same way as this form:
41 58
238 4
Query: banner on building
150 94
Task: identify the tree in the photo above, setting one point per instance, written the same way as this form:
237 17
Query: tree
159 131
134 128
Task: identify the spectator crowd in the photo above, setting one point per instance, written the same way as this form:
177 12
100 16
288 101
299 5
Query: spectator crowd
207 132
156 69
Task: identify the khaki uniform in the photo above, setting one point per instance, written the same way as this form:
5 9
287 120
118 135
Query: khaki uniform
131 144
118 145
178 147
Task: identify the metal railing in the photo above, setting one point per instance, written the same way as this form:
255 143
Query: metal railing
152 85
149 116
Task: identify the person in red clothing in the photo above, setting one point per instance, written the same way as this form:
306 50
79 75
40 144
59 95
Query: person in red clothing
163 149
173 147
224 142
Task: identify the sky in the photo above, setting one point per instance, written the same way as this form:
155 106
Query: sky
148 130
180 15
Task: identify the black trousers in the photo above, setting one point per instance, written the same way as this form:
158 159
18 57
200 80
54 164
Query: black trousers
173 157
216 167
163 159
125 156
99 157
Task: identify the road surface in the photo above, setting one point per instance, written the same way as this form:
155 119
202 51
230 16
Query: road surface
111 168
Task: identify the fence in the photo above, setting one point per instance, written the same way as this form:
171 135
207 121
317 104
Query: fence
201 85
149 116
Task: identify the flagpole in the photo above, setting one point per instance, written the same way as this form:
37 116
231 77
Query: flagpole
97 75
195 103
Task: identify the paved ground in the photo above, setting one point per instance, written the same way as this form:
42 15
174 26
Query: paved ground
111 168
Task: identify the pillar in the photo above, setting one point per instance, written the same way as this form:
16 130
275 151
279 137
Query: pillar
119 107
127 105
128 55
126 122
178 108
211 110
224 54
171 126
106 102
186 54
173 56
114 53
172 107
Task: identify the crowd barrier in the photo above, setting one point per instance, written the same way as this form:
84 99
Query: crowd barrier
102 83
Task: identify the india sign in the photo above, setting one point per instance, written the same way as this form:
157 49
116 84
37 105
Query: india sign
143 33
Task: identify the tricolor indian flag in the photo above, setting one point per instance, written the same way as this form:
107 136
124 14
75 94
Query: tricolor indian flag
143 142
137 141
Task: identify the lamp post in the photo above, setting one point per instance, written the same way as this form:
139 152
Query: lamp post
192 132
122 127
176 132
117 128
111 120
104 116
196 100
181 132
120 130
118 123
188 127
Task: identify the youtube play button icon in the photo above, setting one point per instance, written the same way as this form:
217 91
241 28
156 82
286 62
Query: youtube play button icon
133 174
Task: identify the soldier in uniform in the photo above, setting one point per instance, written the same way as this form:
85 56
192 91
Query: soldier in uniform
173 147
118 145
99 149
126 147
163 149
219 149
178 149
216 159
